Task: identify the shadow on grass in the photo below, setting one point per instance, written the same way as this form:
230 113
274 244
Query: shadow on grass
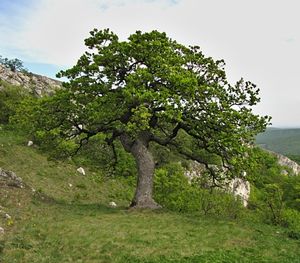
76 206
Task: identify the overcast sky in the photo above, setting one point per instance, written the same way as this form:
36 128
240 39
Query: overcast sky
258 39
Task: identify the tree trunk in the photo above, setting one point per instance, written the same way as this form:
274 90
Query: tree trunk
145 165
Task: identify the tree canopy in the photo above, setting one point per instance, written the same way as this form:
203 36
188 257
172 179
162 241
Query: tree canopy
151 89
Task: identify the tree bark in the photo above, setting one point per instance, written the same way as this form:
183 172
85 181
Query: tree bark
145 166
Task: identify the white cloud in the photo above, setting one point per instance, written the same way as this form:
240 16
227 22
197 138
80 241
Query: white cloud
54 30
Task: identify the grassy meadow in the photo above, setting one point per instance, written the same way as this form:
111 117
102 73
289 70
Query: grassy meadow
62 216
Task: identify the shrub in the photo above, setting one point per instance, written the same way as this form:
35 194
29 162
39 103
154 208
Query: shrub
271 191
173 190
291 220
291 192
274 203
171 187
10 98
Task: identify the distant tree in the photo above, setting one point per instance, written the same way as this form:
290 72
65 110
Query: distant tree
13 64
151 89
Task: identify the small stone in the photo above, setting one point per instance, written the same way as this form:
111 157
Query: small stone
70 185
112 204
30 143
1 230
7 216
81 171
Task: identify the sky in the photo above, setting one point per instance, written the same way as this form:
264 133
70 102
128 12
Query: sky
258 39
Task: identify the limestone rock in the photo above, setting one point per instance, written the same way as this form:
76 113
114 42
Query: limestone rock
285 161
240 187
81 171
112 204
1 230
7 216
30 143
195 170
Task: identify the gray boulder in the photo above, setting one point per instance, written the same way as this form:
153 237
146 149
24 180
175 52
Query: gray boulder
9 178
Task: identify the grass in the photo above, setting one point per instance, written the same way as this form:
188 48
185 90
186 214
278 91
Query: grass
63 223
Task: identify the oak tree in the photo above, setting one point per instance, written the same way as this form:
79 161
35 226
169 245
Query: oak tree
151 89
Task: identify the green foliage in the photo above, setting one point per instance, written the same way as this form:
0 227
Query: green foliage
95 154
291 192
274 196
175 192
172 188
125 164
10 98
264 169
291 220
150 87
163 156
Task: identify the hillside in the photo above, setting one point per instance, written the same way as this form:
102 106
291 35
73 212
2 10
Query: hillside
284 141
57 214
36 84
63 216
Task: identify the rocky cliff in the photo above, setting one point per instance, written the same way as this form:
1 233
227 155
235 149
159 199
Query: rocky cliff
39 85
285 161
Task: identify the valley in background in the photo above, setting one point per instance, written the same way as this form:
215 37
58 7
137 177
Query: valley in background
285 141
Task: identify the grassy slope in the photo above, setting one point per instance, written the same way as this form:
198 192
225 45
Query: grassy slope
284 141
75 224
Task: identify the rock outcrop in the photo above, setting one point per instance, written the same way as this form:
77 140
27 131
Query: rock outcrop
239 187
39 85
9 178
285 161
